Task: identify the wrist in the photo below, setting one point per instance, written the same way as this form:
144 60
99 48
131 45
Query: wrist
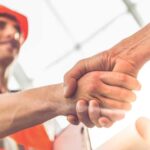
61 105
140 47
135 49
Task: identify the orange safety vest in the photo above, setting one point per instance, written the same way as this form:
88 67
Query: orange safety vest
34 138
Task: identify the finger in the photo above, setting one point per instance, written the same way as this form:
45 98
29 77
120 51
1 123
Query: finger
70 86
110 116
121 80
113 104
71 77
73 119
113 114
82 113
94 112
105 122
116 93
125 66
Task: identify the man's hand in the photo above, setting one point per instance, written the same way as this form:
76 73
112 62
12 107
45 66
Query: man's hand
127 57
105 61
107 90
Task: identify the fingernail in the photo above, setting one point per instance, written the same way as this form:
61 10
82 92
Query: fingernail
103 124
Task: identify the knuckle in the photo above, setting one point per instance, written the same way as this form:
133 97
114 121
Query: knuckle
117 105
122 78
125 95
130 96
113 105
80 62
122 105
100 85
108 91
92 75
96 74
103 75
102 102
107 103
125 106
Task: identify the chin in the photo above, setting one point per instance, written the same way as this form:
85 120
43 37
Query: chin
6 61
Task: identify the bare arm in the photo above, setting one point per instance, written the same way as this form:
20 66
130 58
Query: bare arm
27 108
128 56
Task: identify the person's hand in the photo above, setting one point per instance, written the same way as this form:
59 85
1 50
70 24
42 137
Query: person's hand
143 128
103 61
110 89
128 57
94 115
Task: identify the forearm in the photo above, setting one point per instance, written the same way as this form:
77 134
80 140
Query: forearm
27 108
135 47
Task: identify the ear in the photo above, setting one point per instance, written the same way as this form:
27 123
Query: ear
21 39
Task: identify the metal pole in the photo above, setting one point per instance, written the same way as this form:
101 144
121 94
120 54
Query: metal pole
133 11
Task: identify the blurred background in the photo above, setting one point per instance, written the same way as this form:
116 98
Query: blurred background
61 32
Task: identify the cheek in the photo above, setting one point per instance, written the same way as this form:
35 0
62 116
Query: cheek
1 35
4 48
7 51
16 49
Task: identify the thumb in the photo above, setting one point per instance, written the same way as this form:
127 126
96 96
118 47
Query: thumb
126 67
72 76
70 85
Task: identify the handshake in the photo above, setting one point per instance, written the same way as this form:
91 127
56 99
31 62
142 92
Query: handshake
96 91
103 84
103 97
